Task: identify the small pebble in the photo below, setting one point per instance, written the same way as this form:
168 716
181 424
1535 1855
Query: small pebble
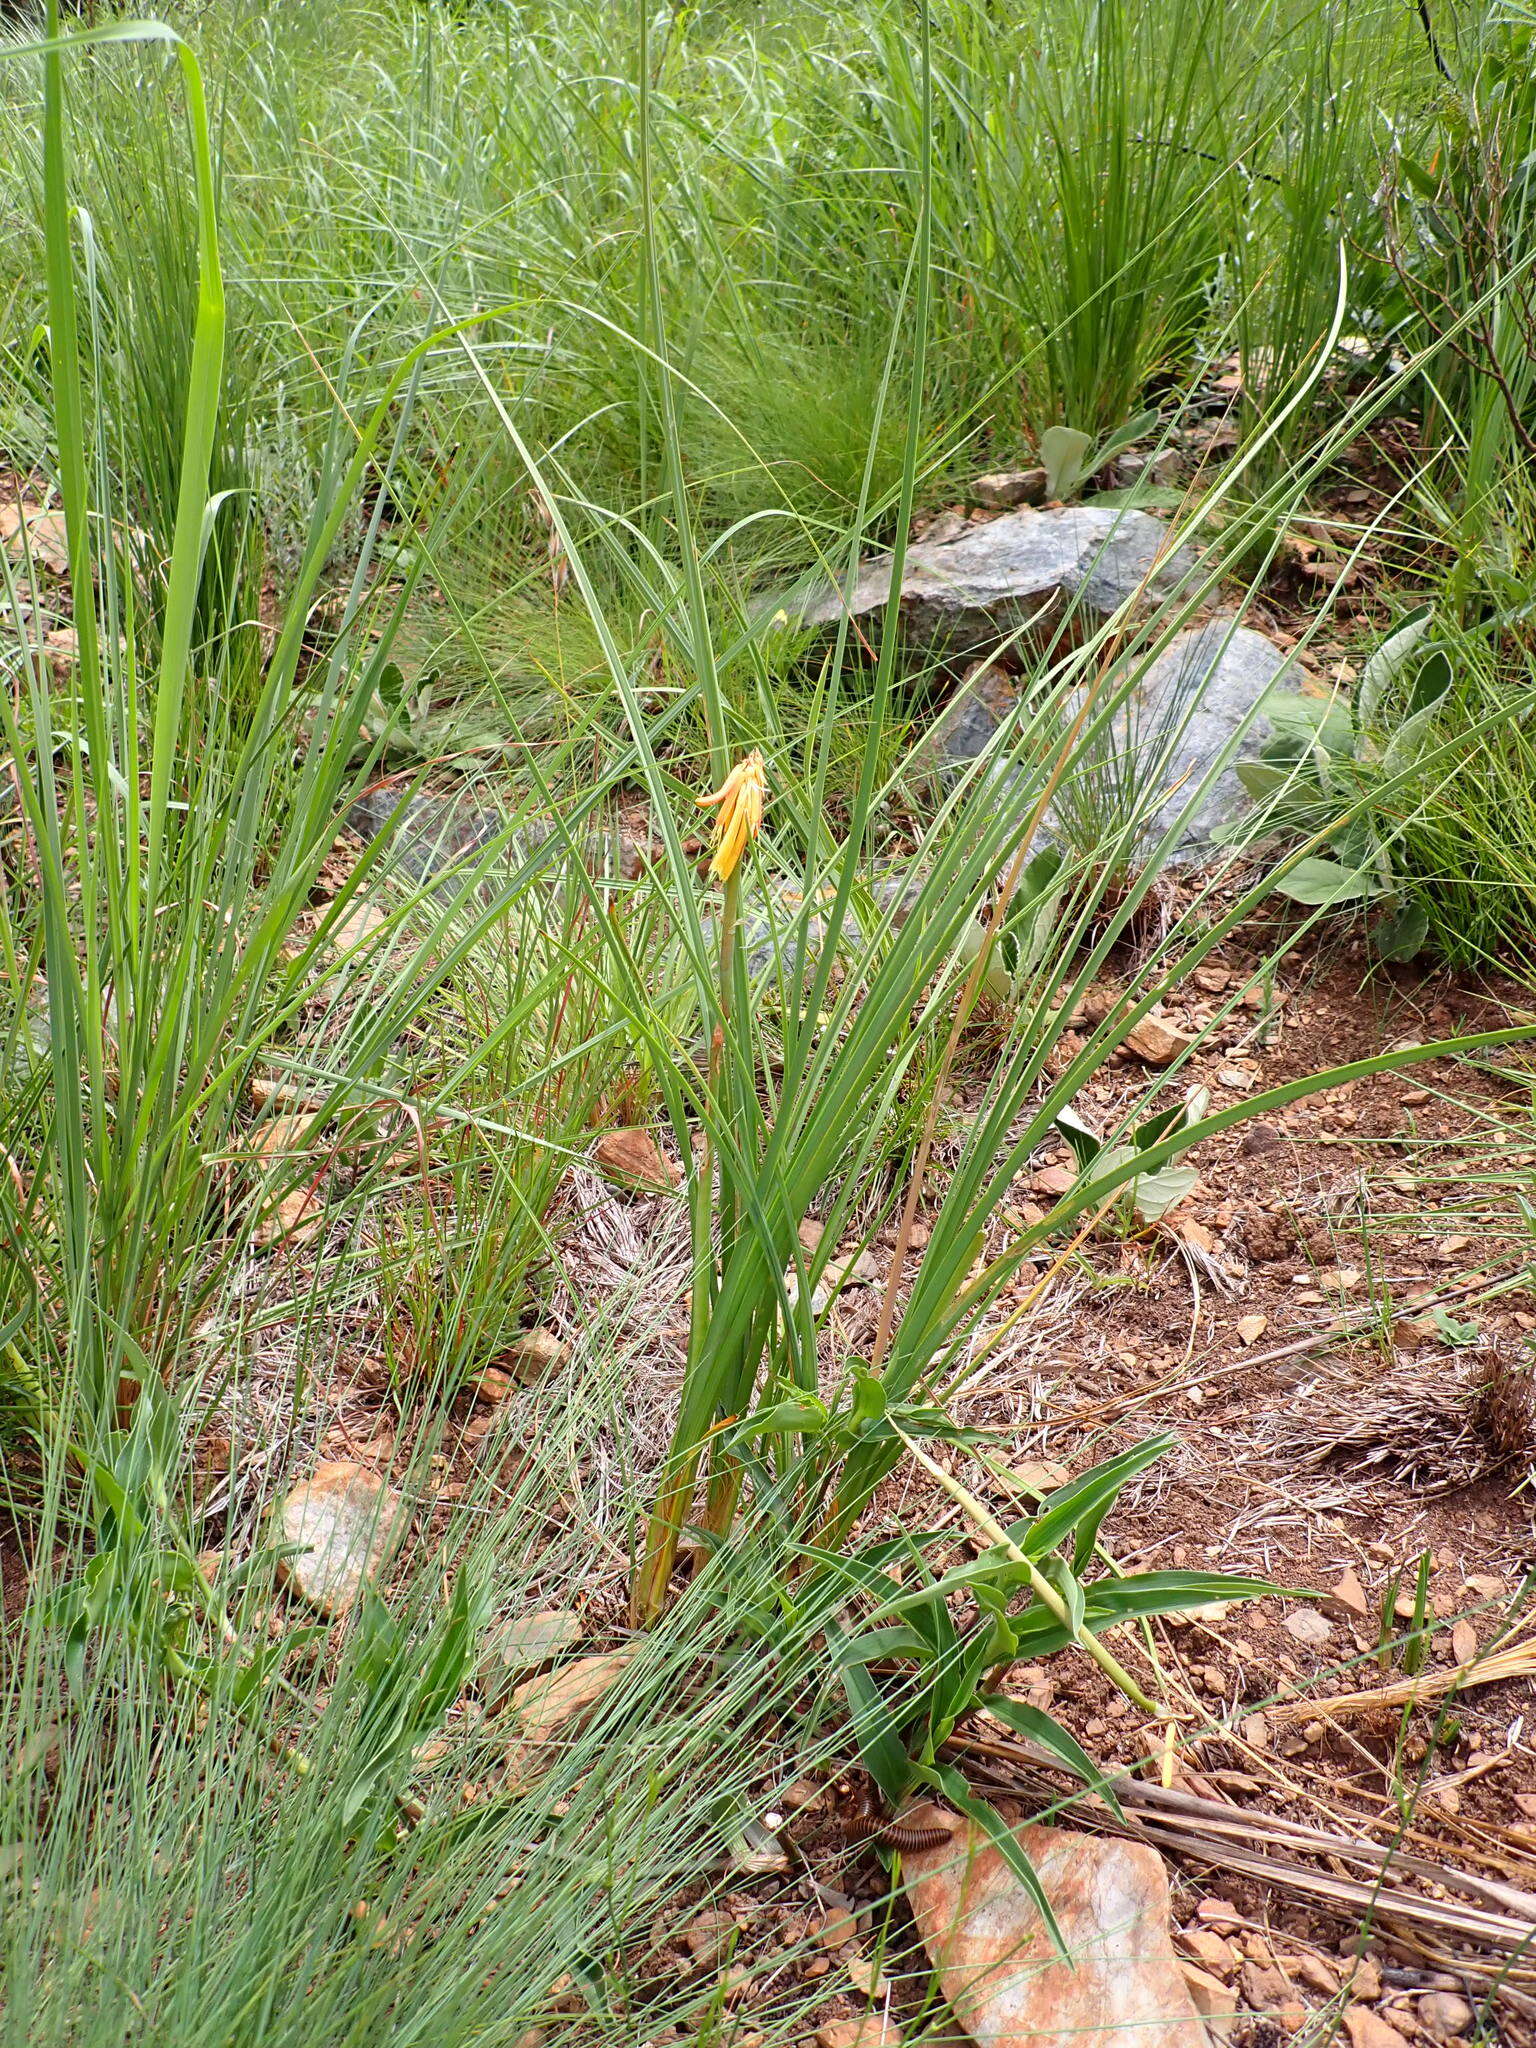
1444 2016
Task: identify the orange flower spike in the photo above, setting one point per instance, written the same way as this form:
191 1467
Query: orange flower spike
740 817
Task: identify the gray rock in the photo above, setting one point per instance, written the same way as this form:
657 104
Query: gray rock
436 837
344 1521
770 931
1191 705
948 525
967 725
1141 466
1185 715
427 833
1026 570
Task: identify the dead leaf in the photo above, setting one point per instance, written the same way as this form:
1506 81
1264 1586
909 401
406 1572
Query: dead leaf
1340 1279
633 1159
277 1137
852 1269
293 1221
269 1093
560 1702
62 647
526 1643
356 925
28 531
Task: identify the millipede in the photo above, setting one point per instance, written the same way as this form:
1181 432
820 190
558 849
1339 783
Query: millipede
897 1834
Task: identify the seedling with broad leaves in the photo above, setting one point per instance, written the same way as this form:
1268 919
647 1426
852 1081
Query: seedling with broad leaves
1328 771
1149 1197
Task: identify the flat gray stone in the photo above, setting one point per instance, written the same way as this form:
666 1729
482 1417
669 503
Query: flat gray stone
1195 700
438 838
1023 571
772 929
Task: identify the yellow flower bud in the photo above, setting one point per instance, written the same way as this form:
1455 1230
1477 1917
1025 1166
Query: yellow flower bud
740 817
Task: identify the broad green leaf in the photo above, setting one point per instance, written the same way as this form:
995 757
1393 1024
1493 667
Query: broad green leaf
1089 1494
1317 722
1424 182
868 1396
1401 936
1264 779
994 1568
1063 453
1434 679
1189 1111
1085 1142
1154 1194
878 1643
875 1729
1409 741
1061 1575
955 1687
1141 428
1388 662
1152 497
1148 1593
1317 882
784 1418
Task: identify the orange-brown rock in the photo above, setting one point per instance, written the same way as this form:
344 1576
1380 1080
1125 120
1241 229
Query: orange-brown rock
1120 1986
